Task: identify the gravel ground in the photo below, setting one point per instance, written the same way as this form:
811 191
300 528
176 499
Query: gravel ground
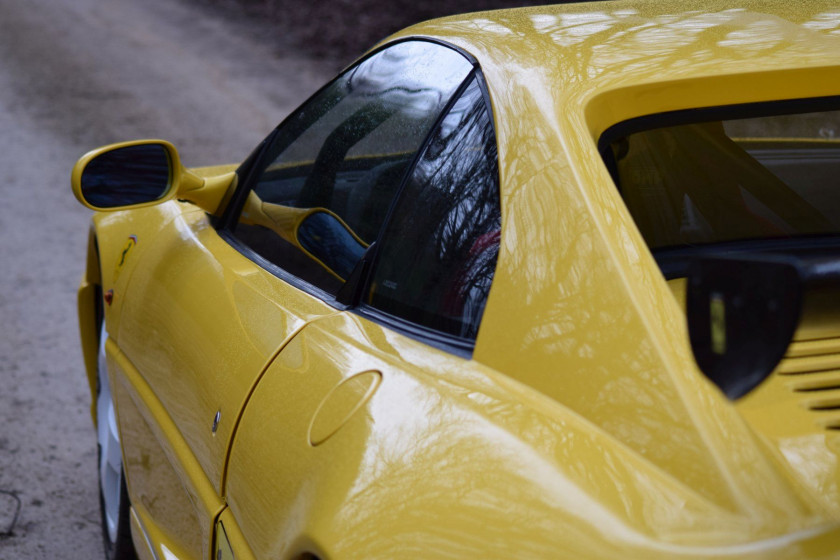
76 74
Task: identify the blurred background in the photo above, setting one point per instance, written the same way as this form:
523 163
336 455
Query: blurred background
212 76
338 30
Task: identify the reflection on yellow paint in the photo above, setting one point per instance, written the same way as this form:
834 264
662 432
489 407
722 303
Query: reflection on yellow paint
168 554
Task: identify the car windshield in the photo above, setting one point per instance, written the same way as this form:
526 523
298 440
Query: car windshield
735 184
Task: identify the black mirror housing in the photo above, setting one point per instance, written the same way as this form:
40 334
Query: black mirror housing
743 312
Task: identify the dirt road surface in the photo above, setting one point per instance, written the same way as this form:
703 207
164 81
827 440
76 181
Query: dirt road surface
74 75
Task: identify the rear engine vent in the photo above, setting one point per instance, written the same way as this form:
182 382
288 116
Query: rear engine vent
813 367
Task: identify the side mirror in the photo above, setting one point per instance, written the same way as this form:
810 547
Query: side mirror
142 173
316 232
331 242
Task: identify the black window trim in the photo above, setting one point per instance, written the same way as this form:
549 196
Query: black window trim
459 346
248 170
281 273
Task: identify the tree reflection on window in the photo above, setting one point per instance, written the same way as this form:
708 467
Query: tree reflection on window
343 157
439 251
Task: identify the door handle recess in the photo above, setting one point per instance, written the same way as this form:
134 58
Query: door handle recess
341 404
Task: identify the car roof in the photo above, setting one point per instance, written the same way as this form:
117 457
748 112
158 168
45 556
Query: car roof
575 52
662 38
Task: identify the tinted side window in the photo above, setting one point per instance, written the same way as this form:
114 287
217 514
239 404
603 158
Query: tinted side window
439 250
332 170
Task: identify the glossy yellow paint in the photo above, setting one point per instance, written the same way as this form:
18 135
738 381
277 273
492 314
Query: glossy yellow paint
792 409
140 537
216 184
173 460
202 321
450 459
87 301
580 428
578 309
173 497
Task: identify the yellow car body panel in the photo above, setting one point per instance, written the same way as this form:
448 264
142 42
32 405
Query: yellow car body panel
581 426
620 355
223 324
173 499
159 411
456 460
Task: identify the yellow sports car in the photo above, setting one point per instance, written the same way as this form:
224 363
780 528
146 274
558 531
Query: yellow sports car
556 282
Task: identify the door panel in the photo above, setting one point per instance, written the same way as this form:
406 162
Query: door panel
199 323
169 492
276 476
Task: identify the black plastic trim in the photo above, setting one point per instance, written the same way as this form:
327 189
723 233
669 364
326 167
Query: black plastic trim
277 271
462 347
485 93
350 293
743 311
674 261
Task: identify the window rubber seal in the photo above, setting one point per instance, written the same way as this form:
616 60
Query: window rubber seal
461 347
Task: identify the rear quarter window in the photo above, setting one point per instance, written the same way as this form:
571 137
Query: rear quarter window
439 249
